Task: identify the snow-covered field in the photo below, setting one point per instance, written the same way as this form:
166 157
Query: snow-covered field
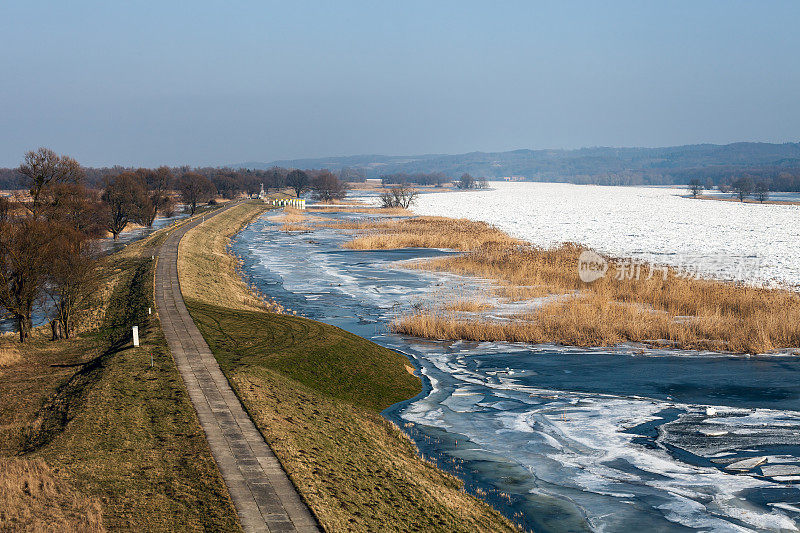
747 242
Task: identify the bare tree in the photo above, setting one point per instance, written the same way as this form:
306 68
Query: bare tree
743 187
466 181
73 205
121 197
43 169
327 187
762 191
273 178
24 249
158 183
195 189
399 196
71 278
695 188
298 180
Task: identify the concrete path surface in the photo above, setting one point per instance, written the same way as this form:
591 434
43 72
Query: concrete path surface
264 497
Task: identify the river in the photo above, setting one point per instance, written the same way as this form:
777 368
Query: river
559 438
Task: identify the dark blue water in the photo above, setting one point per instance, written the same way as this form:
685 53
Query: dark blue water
559 439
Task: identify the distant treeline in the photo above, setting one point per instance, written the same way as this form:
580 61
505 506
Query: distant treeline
776 179
777 164
228 182
437 179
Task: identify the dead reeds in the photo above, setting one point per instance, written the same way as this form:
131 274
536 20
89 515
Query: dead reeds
429 232
657 307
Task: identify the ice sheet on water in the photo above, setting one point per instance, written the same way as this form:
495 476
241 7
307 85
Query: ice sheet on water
579 447
748 242
579 442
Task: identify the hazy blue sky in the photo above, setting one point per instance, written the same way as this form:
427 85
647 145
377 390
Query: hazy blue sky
202 82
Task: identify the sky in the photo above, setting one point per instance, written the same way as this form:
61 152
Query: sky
214 83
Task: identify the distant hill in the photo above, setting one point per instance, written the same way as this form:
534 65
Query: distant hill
669 165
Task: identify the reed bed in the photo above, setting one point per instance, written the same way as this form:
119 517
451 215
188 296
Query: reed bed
292 216
396 211
429 232
468 306
296 220
659 307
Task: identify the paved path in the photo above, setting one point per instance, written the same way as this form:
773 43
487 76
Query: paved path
264 497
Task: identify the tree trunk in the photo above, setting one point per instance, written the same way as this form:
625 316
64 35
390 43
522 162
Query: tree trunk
24 325
64 324
55 327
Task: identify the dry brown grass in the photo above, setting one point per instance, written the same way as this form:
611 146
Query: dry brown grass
296 220
288 228
517 293
746 200
9 355
293 216
469 306
34 498
428 232
585 320
389 211
204 249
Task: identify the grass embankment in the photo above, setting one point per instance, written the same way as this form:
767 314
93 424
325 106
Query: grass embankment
99 438
206 251
679 312
316 392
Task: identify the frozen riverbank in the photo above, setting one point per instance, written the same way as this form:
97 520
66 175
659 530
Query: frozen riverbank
561 439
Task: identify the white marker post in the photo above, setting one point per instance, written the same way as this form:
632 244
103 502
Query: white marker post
136 335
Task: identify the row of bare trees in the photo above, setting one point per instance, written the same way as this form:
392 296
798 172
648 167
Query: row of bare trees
46 243
324 185
742 187
142 195
50 226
